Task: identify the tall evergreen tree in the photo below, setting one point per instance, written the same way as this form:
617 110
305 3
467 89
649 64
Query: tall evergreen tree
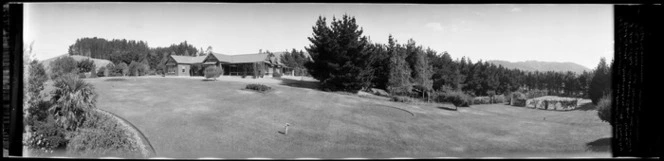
601 82
399 78
340 57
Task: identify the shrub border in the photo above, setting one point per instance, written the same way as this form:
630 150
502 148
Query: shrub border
145 147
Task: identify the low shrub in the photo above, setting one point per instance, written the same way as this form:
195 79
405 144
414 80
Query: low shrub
258 87
101 72
37 112
46 135
81 75
604 108
276 75
404 99
212 72
507 97
457 98
498 99
518 99
482 100
101 135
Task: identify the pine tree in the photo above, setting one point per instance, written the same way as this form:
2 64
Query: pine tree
398 81
601 82
340 55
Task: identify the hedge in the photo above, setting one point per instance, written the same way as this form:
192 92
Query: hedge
553 103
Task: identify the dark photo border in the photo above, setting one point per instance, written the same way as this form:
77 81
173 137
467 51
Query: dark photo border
637 75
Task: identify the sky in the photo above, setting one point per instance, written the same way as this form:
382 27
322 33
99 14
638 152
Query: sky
514 32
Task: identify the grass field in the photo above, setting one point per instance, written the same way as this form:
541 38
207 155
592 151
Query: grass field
191 118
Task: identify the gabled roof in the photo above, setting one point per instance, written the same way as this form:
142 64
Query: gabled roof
188 59
242 58
245 58
222 57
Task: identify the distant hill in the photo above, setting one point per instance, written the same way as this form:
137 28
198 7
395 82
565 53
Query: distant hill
533 65
98 62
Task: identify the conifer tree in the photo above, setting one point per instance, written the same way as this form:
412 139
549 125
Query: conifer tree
340 57
398 81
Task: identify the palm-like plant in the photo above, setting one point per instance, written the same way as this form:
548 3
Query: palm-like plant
72 98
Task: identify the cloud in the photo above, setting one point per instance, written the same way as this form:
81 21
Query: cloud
435 26
516 9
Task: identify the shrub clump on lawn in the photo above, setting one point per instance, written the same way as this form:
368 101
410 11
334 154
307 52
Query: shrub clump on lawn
404 99
100 135
498 99
258 87
518 99
482 100
458 98
604 108
276 75
212 72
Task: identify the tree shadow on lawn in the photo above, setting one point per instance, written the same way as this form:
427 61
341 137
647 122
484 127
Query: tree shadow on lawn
299 84
115 79
206 79
586 107
600 145
449 107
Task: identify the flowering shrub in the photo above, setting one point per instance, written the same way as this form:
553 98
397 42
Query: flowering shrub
100 135
46 136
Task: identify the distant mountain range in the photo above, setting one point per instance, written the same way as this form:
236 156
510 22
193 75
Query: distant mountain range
532 65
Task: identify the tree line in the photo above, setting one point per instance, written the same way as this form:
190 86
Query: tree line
128 51
346 60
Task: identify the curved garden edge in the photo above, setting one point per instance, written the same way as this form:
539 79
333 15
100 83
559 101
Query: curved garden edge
146 148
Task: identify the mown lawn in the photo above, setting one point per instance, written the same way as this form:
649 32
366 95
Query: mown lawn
191 118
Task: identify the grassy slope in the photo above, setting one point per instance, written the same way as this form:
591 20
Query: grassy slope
193 118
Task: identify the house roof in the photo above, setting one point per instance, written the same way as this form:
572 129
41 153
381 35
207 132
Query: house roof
222 57
243 58
188 59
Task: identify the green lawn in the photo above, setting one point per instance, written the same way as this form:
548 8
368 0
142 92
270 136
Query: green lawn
190 118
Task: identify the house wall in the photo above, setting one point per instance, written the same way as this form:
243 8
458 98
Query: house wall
183 70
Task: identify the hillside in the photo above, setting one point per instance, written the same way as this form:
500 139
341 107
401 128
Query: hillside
532 65
98 62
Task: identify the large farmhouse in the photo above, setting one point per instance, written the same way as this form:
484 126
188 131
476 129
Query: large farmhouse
263 63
